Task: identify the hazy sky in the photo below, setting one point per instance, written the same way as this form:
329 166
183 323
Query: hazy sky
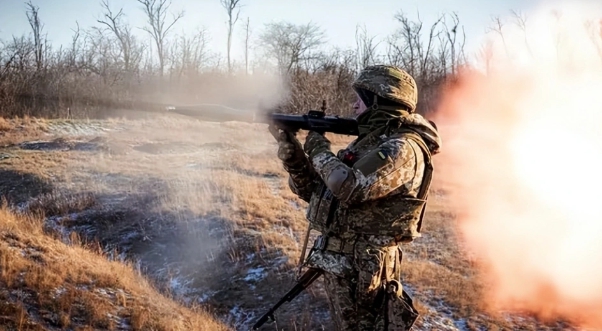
337 17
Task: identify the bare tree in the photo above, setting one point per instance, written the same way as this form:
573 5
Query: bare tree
521 21
101 56
497 27
36 27
247 37
429 59
365 47
456 50
485 55
230 6
158 27
189 53
6 61
130 51
73 63
289 44
19 51
407 47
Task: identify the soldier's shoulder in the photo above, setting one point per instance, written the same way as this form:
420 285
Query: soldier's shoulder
396 143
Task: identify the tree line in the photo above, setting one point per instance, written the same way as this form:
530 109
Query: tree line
108 66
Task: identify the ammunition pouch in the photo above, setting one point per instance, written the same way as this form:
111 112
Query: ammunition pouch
322 209
332 244
394 216
400 311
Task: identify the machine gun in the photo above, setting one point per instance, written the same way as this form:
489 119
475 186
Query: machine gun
314 120
306 279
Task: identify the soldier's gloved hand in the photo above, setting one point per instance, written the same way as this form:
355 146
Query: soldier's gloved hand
290 151
315 143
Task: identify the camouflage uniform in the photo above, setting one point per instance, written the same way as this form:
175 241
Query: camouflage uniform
366 201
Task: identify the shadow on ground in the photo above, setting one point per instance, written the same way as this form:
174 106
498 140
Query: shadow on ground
18 187
195 258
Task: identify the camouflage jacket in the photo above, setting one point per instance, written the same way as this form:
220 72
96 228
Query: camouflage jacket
379 199
379 203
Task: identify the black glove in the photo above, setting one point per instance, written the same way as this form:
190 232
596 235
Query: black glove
316 143
290 151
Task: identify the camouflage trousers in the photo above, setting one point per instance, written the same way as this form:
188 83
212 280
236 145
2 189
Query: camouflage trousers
375 301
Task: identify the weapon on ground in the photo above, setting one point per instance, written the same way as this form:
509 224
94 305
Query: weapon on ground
306 279
315 120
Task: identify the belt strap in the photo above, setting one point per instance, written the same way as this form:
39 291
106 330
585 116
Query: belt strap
333 244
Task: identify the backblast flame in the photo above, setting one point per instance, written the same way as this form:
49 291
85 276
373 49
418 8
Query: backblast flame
523 154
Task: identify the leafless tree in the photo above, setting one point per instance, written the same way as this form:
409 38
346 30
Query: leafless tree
289 44
33 17
131 52
407 47
6 61
21 50
231 6
189 53
521 21
247 39
325 76
485 55
456 50
429 59
101 56
497 27
365 47
158 27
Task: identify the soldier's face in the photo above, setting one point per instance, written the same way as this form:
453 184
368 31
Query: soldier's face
359 106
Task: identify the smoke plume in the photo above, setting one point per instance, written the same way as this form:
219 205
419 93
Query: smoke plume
523 155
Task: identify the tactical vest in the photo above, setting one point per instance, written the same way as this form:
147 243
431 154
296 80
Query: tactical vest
396 215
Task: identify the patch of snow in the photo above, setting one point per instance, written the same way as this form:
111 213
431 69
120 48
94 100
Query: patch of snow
461 325
54 223
206 296
255 274
179 286
131 235
294 204
280 261
239 317
59 291
79 128
273 184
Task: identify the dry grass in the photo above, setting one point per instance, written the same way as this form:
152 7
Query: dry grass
71 287
14 130
57 203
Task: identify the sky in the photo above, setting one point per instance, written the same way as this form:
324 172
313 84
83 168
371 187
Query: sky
338 18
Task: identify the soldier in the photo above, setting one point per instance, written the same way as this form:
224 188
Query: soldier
367 200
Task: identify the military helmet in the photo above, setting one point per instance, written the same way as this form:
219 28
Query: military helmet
389 82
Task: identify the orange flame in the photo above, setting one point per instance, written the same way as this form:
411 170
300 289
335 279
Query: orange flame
523 152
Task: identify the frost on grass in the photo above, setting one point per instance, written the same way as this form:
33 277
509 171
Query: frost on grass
255 274
239 317
180 286
79 128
